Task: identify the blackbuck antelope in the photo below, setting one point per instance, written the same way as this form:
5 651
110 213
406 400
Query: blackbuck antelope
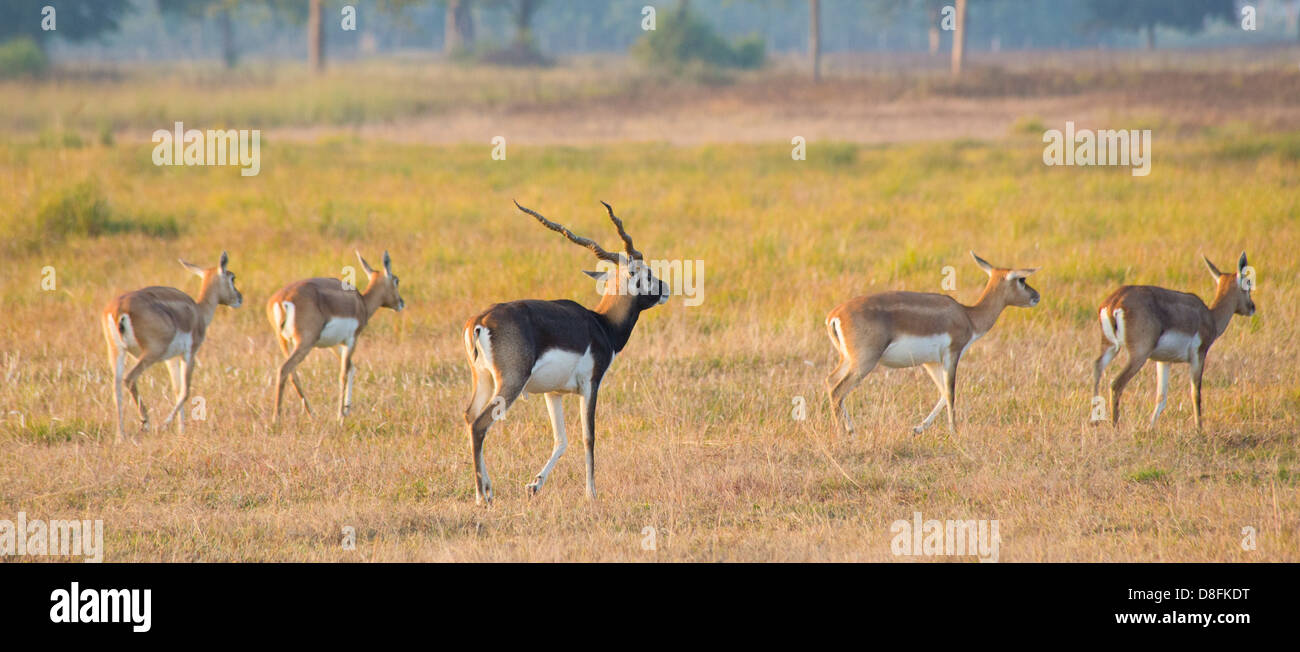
1168 327
163 324
906 329
555 348
327 313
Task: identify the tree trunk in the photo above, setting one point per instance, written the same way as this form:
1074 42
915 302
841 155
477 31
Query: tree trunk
315 37
815 38
228 54
933 12
959 39
1151 36
523 22
459 27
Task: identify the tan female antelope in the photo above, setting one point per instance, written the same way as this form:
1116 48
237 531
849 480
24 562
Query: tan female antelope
161 323
1168 327
906 329
555 348
326 313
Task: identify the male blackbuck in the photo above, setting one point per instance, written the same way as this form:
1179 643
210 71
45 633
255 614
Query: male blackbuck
555 348
327 313
1168 327
906 329
163 324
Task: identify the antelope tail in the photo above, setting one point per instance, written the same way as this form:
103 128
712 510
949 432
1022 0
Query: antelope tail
837 335
1113 333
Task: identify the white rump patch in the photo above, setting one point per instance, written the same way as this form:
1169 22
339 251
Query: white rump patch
834 323
482 338
338 330
561 371
284 313
912 350
1175 346
1114 334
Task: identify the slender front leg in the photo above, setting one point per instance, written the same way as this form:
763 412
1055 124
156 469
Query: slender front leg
936 374
181 371
346 372
1197 369
555 408
1162 390
588 405
950 377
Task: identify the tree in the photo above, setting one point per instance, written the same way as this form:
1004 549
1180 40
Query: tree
959 38
222 10
315 37
1145 15
521 16
933 14
458 27
76 20
815 38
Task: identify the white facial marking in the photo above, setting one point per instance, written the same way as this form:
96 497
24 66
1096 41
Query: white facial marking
911 350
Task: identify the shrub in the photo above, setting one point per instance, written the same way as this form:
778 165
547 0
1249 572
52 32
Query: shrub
81 210
685 38
22 57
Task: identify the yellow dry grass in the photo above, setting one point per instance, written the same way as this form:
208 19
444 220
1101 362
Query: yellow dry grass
695 431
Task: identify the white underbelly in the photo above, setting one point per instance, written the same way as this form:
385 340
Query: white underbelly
338 330
561 371
1174 346
910 350
180 345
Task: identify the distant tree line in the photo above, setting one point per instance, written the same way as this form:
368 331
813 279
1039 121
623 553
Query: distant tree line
525 32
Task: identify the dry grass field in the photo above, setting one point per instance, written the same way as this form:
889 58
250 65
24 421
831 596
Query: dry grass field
695 432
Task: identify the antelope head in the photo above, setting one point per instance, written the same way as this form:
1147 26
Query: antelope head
622 274
1009 285
1234 288
384 283
218 279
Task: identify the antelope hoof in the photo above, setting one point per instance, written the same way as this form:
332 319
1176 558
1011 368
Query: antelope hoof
534 487
917 430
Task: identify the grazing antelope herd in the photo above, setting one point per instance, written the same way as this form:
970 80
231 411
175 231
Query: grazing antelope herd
560 347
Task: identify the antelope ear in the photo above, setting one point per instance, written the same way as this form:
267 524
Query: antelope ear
599 276
1021 273
984 264
194 269
388 264
225 258
1214 271
364 265
1241 263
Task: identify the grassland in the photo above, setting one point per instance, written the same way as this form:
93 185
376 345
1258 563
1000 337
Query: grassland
695 430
